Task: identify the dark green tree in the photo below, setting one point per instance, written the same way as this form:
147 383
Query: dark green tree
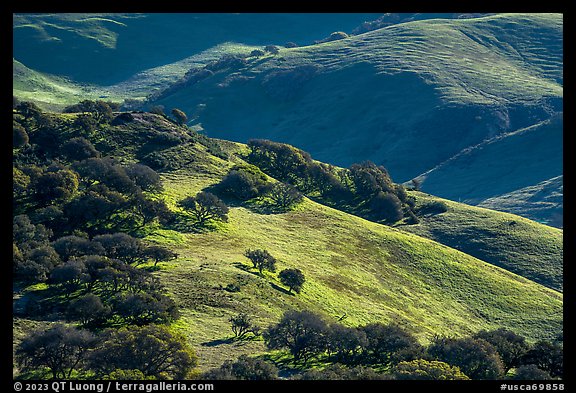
303 333
153 350
205 206
19 136
159 254
245 368
283 196
511 347
477 358
530 372
387 344
180 116
242 324
547 356
78 149
421 369
261 259
244 183
88 309
61 349
272 49
122 246
386 206
143 308
293 278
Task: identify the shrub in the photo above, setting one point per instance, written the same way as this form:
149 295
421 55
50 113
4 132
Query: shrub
180 116
245 368
386 206
421 369
257 53
272 49
337 35
433 207
244 183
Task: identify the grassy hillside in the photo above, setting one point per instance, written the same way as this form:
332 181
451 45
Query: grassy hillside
390 94
519 245
501 165
366 270
108 48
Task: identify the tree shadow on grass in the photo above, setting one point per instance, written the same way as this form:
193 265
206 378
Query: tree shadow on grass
247 269
279 288
215 343
183 223
237 341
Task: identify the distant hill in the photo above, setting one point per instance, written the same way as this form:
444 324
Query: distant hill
409 96
415 95
519 172
108 48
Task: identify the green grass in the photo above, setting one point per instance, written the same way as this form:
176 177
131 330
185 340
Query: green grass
369 271
517 244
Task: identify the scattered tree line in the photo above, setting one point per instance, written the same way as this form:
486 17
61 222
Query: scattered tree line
65 352
248 182
365 189
357 352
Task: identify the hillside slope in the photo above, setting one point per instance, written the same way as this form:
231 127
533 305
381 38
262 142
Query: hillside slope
390 94
409 96
502 165
106 49
517 244
365 270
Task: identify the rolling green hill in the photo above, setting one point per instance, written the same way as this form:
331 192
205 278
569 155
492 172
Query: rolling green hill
410 96
105 49
367 270
517 244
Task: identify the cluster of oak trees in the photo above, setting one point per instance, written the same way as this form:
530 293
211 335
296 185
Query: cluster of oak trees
356 353
365 188
77 218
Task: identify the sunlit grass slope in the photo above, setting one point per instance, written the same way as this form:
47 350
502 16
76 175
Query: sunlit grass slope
365 270
517 244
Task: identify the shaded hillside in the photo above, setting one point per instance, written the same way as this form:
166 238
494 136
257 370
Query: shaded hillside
109 48
502 170
390 94
542 202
